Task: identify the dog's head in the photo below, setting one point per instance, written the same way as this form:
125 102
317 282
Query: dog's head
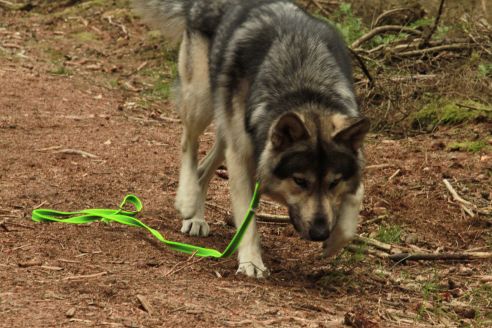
310 164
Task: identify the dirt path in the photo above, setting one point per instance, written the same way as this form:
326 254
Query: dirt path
42 112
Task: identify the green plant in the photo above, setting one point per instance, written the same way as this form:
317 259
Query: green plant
389 234
468 146
61 70
485 70
447 112
349 25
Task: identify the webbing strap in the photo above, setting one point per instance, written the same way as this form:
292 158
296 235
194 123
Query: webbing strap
128 218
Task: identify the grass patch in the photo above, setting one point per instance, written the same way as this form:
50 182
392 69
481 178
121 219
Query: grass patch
347 23
445 112
84 36
390 234
468 146
61 70
485 70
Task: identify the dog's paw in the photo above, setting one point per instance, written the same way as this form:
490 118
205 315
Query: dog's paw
195 227
254 270
331 250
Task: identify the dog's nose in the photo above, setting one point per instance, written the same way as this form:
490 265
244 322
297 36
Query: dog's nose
319 230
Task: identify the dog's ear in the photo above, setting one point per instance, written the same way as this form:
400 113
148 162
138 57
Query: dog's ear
353 135
288 130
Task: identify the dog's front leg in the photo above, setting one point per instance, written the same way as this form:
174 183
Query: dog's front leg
346 226
241 182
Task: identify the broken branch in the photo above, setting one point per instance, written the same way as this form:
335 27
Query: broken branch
383 29
419 52
76 152
440 257
458 198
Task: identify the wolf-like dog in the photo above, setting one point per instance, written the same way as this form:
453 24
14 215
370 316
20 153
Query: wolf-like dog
278 84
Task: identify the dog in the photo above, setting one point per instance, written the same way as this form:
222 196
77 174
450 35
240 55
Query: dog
277 82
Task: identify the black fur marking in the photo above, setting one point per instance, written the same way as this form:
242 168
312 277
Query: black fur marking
319 161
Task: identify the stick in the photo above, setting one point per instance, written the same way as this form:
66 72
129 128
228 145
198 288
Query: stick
378 166
394 175
145 304
440 257
87 276
413 77
433 29
272 218
457 198
363 67
373 242
15 6
474 108
388 13
355 249
455 46
320 7
460 200
76 152
383 29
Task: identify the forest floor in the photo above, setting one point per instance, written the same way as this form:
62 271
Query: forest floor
90 77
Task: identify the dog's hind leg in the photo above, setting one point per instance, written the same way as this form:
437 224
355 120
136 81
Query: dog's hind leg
196 112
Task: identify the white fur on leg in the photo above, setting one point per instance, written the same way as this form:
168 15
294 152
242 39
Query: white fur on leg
188 190
249 252
346 227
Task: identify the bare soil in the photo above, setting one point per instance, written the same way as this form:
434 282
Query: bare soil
78 80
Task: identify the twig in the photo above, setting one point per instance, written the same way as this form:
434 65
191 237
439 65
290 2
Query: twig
363 67
15 6
145 304
49 148
375 220
272 218
76 152
374 242
474 108
412 77
388 13
378 166
217 207
87 276
383 29
186 264
458 198
320 7
440 257
356 249
428 36
394 175
418 52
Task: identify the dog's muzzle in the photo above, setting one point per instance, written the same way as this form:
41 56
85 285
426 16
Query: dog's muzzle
319 230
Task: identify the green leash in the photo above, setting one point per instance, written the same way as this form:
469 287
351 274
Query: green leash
128 218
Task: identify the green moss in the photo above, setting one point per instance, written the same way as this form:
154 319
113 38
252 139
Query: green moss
445 112
84 36
54 55
61 70
485 70
154 35
389 234
468 146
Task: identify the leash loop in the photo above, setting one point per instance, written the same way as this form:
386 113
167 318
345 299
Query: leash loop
126 217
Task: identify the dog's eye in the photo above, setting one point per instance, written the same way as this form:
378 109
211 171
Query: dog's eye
334 183
301 182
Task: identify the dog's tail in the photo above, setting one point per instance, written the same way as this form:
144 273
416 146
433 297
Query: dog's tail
173 17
